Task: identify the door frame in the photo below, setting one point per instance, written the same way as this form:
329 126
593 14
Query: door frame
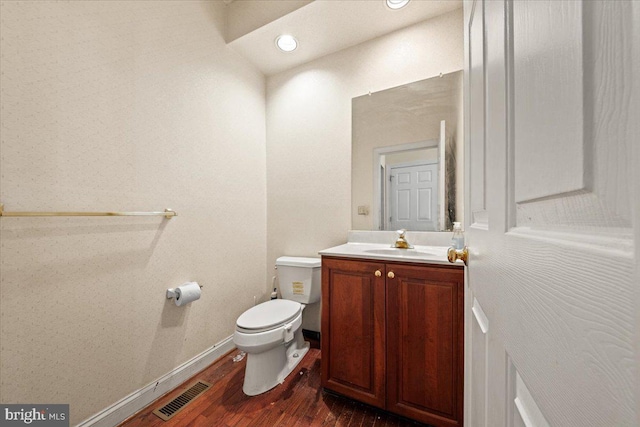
378 204
468 302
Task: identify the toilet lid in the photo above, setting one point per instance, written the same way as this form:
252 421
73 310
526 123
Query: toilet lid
269 314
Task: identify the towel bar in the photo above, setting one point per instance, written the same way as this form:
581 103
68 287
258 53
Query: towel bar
168 213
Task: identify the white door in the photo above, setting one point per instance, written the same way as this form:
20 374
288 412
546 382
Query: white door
413 197
552 213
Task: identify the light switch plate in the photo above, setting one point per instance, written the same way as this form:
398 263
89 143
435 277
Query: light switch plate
363 210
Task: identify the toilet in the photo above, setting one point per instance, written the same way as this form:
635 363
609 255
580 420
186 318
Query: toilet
271 332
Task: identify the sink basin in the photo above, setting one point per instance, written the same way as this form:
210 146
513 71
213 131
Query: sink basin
399 252
385 252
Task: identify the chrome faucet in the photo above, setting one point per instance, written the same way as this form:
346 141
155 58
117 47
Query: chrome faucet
401 241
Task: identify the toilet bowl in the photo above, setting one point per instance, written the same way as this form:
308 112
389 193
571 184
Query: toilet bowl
271 333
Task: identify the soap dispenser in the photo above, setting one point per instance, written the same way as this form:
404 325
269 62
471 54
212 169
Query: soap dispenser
457 241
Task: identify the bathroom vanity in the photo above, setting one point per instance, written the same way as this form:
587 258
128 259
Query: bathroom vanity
392 330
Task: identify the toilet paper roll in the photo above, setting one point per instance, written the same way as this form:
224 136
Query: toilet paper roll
187 293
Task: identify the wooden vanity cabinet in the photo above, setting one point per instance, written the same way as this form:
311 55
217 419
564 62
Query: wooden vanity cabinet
395 341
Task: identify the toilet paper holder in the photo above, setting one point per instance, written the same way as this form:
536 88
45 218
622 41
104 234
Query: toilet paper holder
171 292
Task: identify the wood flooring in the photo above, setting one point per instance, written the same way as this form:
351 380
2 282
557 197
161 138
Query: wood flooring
300 401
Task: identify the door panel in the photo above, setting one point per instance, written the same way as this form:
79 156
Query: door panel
478 369
413 204
553 269
589 185
425 206
419 333
475 113
549 159
523 411
351 302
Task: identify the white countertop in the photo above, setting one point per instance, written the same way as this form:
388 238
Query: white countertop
384 252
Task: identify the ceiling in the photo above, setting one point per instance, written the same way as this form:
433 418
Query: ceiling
326 26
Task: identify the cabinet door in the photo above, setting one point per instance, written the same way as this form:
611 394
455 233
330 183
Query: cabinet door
425 343
353 329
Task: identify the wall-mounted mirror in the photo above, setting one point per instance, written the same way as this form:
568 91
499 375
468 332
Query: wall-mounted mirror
407 156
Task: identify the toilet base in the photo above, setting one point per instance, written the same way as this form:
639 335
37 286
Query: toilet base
266 370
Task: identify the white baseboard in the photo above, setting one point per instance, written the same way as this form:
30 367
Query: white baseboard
139 399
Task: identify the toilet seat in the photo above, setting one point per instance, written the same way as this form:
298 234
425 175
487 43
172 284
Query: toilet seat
268 315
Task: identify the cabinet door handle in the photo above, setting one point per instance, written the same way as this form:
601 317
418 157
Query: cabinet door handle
378 273
390 275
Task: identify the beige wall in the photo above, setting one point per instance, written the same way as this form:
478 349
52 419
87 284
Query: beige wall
141 106
309 131
123 106
411 156
459 139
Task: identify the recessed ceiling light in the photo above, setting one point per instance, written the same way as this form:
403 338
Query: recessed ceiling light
286 43
397 4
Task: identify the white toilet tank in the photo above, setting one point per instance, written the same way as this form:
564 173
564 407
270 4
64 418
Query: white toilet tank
299 278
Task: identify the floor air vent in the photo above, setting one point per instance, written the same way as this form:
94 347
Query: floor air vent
169 410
